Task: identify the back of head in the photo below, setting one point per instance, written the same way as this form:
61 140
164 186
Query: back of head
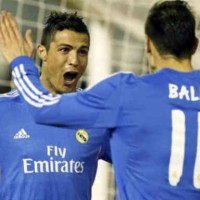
171 27
59 21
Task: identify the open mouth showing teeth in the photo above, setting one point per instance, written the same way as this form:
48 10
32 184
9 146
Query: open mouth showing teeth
69 76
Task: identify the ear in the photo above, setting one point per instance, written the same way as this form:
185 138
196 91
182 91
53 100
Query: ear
42 52
195 46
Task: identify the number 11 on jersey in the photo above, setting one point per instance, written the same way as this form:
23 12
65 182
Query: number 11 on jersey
178 150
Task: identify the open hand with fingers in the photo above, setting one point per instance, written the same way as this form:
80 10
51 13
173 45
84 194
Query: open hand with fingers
12 43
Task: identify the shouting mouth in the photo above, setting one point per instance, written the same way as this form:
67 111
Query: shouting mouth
69 77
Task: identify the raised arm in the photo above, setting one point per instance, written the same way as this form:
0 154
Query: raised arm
12 43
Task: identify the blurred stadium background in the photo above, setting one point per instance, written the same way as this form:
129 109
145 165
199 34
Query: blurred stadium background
117 43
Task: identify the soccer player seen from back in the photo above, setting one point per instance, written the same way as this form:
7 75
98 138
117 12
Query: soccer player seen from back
155 118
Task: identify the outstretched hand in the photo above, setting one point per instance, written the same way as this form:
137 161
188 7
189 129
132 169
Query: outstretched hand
12 43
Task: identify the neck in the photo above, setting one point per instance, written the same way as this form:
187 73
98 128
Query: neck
182 65
47 84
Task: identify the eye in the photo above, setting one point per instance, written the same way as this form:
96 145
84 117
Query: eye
64 50
83 52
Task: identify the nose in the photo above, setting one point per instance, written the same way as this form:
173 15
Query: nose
73 58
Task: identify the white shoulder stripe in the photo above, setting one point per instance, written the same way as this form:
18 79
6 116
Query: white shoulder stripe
30 93
32 87
31 90
24 95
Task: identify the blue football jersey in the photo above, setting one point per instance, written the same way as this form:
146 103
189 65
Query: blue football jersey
155 143
40 162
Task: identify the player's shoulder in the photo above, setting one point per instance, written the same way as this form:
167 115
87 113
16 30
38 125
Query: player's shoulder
157 77
115 81
122 77
13 95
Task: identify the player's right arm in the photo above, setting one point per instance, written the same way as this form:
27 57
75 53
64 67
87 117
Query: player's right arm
98 106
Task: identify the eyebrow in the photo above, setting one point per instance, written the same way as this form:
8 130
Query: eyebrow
84 46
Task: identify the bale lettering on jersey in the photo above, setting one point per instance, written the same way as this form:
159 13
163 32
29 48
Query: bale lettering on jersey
183 92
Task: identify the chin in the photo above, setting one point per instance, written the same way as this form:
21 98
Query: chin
68 90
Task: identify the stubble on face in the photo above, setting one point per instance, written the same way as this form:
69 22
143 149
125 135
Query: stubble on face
66 61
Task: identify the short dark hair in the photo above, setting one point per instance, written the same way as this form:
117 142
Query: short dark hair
58 21
171 27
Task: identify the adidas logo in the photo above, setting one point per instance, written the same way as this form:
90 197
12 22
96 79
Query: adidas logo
22 134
